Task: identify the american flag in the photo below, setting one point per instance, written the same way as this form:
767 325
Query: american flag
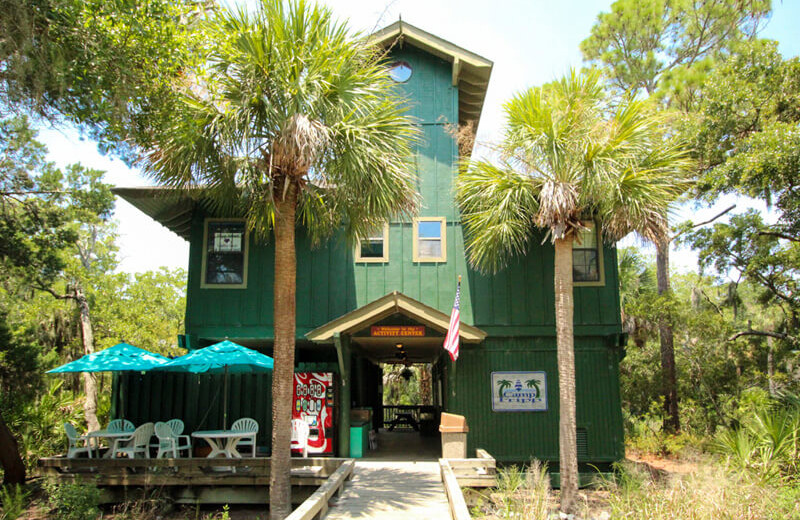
451 340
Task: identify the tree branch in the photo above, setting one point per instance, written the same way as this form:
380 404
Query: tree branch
779 235
709 221
55 295
760 333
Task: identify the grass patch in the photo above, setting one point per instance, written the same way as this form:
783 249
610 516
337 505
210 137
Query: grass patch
712 492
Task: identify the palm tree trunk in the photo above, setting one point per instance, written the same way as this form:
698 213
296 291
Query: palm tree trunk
10 459
89 379
567 424
284 309
669 380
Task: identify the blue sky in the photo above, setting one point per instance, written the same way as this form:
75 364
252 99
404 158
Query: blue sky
529 41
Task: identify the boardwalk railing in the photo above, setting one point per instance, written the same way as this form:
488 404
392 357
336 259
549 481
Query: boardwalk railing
457 473
404 417
478 472
316 506
193 480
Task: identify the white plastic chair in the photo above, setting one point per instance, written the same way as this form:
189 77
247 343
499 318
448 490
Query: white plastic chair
137 444
300 433
74 440
168 442
120 425
246 424
177 428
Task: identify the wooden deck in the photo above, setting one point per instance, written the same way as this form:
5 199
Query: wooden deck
381 489
192 480
390 490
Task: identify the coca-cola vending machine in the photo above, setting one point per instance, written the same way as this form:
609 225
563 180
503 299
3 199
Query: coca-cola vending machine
314 404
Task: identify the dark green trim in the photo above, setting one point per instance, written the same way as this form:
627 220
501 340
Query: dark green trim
549 331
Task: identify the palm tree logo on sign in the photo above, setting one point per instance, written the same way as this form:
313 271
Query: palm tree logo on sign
519 392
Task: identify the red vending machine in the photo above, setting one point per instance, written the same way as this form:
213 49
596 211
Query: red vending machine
313 403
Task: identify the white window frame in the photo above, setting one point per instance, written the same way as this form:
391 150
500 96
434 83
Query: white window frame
600 262
430 259
204 263
374 260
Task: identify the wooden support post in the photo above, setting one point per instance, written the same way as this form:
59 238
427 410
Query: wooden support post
342 344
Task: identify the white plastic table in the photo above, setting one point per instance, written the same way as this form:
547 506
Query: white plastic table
223 442
111 436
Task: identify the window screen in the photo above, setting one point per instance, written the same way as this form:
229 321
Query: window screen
429 239
374 248
225 248
586 256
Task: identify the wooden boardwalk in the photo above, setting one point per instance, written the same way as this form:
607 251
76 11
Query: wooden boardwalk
387 490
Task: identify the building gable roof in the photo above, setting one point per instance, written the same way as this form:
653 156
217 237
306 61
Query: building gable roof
393 303
470 71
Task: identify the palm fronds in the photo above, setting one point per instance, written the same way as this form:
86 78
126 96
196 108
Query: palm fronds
288 95
570 153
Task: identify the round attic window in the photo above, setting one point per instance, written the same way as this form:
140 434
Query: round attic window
400 71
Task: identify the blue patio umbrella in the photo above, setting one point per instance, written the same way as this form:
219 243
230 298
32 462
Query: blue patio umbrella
221 358
119 358
122 357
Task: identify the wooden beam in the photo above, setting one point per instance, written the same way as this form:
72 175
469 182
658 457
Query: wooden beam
458 507
483 454
316 506
456 70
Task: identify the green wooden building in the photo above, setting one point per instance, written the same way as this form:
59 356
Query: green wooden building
355 306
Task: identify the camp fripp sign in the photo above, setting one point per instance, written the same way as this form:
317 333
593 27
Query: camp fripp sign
519 392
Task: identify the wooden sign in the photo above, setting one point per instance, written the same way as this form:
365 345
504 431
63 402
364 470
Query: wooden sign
397 330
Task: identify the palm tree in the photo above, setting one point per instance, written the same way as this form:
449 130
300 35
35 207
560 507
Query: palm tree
293 121
503 384
532 383
568 155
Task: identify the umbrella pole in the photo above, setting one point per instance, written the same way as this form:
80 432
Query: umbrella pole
225 402
122 396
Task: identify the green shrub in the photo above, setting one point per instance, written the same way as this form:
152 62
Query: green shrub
646 435
767 444
73 501
13 501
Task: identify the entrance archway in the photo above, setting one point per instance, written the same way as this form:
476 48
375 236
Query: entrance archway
393 330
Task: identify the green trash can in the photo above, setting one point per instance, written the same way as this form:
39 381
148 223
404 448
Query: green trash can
359 438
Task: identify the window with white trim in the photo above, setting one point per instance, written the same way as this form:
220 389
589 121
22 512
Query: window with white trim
224 254
430 239
374 248
587 256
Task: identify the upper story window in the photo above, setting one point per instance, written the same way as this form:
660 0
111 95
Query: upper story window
225 254
430 239
400 71
587 256
374 248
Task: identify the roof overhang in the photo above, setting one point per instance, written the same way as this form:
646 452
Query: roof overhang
171 207
393 303
470 71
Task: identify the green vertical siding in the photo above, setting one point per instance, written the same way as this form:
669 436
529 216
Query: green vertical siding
196 399
515 307
519 436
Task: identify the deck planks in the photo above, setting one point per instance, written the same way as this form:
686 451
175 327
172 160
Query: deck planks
391 490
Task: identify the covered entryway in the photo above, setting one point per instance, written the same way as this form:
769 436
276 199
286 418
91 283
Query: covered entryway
392 331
